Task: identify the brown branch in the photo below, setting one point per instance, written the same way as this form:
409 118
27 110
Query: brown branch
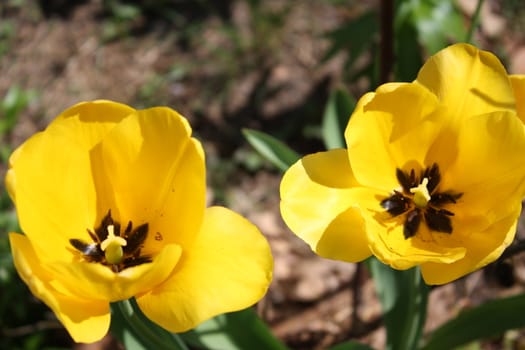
513 249
31 328
386 40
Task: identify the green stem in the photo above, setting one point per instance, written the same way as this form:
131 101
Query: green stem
474 23
145 330
403 296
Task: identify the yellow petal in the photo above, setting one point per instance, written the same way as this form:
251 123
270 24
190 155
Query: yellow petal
481 249
488 173
468 81
55 196
86 320
489 164
387 241
330 169
50 176
10 178
151 172
89 122
96 281
227 269
391 247
314 191
345 238
393 128
149 169
518 86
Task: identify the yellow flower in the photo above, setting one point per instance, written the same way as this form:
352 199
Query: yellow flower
518 85
112 204
432 177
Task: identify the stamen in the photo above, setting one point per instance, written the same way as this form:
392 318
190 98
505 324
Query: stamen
112 246
421 195
420 202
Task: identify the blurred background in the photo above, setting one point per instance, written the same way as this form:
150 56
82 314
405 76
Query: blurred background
227 65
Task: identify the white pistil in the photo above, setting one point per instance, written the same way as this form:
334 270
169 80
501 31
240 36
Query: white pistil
421 195
112 246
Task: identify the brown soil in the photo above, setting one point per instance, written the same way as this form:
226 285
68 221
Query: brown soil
276 79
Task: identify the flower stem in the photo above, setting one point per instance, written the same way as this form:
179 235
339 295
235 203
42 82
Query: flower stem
474 22
146 332
403 296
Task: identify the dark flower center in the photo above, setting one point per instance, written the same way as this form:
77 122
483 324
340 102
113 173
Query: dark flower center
420 201
123 254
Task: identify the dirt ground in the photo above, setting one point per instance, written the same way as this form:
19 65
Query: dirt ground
67 51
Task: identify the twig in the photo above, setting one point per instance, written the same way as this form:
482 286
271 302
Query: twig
356 300
31 328
513 249
386 40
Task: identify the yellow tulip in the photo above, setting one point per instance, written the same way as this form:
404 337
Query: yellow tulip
432 175
111 201
518 86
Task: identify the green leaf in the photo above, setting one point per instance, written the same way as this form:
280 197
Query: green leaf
233 331
130 340
403 296
487 320
354 36
407 49
428 24
271 148
437 22
338 109
351 345
11 105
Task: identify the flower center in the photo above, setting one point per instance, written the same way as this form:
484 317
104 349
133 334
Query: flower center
421 195
112 246
113 249
419 200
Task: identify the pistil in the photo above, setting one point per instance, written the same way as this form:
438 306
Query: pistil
421 195
112 246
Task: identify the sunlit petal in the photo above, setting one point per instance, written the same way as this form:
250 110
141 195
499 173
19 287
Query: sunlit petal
42 210
388 243
383 134
95 281
112 201
518 86
149 169
58 159
314 191
344 238
483 248
494 166
228 268
86 320
439 170
468 81
90 121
